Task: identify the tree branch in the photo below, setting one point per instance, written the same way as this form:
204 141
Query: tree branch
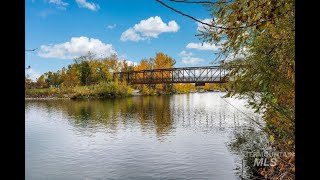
220 27
199 2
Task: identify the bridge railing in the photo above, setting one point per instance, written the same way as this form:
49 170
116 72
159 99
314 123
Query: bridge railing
207 74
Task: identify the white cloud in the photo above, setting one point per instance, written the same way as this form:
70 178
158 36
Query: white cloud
188 59
130 34
149 28
111 26
33 75
201 26
76 47
154 26
59 3
241 54
184 53
130 63
202 46
88 5
46 13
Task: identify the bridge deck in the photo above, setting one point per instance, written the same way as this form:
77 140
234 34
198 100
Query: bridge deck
206 74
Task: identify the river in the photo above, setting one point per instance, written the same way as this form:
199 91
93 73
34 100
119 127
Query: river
182 136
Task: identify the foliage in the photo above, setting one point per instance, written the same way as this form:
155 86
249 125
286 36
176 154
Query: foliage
257 45
184 87
214 86
160 61
86 77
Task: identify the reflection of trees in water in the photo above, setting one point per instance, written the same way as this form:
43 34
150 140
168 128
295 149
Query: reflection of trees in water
83 114
162 115
151 113
245 142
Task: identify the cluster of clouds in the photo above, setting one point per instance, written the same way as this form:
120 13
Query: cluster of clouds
201 27
59 3
144 30
77 46
91 6
81 3
202 46
188 58
148 28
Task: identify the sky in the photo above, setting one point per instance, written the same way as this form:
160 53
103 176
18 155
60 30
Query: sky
62 30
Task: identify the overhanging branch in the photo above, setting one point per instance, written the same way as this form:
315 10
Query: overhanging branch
220 27
199 2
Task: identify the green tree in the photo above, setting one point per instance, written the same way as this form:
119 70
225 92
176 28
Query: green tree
41 82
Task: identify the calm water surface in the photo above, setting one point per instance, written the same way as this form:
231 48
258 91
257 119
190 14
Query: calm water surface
164 137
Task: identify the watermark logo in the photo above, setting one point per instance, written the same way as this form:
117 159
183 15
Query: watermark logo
264 158
265 162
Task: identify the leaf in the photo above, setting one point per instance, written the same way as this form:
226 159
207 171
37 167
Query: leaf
271 138
274 100
260 82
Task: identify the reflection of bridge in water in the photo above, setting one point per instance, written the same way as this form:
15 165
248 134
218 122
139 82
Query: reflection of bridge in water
198 75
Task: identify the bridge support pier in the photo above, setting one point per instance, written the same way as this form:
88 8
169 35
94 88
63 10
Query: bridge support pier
200 84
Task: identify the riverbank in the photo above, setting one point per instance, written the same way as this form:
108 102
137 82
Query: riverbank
135 92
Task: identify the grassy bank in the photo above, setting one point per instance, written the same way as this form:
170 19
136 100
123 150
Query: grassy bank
110 90
101 90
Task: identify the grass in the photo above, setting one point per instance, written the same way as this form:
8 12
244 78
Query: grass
101 90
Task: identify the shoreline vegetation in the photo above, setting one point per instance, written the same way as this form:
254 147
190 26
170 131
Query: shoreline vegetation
92 78
97 92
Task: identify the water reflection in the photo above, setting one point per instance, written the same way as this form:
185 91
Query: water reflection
170 137
159 114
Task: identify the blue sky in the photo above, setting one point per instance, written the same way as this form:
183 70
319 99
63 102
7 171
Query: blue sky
133 29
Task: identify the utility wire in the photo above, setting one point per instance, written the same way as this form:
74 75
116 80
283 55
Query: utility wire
242 112
31 49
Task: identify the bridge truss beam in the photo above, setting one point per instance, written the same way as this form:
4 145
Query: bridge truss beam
206 74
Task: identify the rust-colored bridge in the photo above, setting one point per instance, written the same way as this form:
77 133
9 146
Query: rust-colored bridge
198 75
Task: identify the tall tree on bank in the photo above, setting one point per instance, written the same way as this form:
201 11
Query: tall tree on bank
257 43
163 61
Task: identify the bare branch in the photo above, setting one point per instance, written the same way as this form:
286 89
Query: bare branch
199 2
220 27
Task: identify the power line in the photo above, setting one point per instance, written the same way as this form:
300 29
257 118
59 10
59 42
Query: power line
242 112
31 49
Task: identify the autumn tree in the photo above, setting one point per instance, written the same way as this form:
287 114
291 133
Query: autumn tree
71 78
163 61
41 82
113 63
257 44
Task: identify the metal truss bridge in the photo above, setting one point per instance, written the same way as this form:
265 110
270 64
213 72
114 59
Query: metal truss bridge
197 75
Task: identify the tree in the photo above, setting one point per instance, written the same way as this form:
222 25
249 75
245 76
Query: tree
125 67
41 82
27 81
72 76
256 40
163 61
85 73
113 63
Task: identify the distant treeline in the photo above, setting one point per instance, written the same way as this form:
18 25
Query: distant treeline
89 76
